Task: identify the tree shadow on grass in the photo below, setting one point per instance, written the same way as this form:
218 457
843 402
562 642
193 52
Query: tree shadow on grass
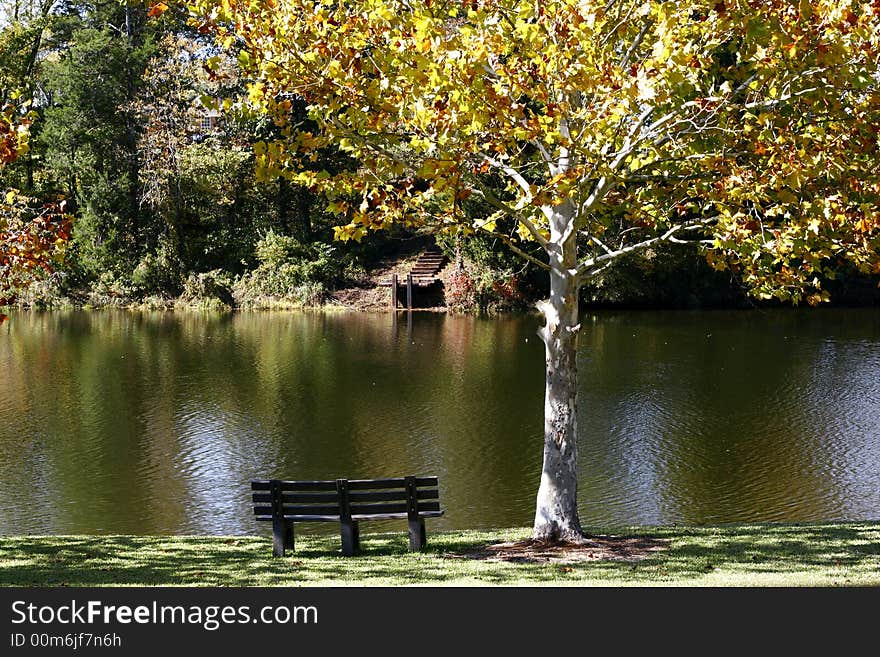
102 560
597 548
209 561
768 550
808 544
677 555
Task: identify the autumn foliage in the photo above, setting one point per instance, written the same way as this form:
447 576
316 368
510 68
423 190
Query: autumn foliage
747 126
32 233
12 135
31 240
579 131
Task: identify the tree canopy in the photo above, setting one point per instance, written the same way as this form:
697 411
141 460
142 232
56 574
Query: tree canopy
752 125
590 130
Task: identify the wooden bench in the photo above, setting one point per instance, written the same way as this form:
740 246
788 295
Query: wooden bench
346 501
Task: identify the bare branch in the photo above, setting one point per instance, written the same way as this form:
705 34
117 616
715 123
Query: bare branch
517 177
620 23
513 247
636 43
776 102
586 268
493 200
604 184
675 240
600 243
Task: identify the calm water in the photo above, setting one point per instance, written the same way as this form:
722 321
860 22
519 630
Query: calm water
154 423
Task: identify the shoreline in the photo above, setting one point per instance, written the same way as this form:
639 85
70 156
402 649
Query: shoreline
194 308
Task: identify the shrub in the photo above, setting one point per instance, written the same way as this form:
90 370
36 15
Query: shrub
310 294
488 291
110 290
289 269
44 293
210 290
275 249
157 272
461 294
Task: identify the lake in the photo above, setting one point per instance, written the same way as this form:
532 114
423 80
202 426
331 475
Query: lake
154 423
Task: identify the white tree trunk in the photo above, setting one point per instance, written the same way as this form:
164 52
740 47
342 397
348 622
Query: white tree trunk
556 515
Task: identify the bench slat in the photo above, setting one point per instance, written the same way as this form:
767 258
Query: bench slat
356 509
380 516
305 518
365 510
391 496
354 484
398 516
263 484
369 509
377 496
302 498
356 496
319 513
399 482
303 510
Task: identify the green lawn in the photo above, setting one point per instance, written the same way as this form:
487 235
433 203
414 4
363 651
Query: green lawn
837 554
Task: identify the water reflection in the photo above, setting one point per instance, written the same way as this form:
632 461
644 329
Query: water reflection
154 423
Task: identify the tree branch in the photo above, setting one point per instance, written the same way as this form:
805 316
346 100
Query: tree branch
636 43
517 177
513 247
584 267
604 184
599 242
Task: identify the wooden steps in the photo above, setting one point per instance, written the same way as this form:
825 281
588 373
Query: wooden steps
423 274
424 271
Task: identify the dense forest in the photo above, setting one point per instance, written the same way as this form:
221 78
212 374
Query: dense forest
154 161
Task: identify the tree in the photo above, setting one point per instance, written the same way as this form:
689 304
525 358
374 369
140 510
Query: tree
194 173
22 45
747 127
87 134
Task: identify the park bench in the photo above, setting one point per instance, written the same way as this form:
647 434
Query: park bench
348 502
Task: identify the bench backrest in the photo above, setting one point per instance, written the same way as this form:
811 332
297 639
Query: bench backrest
343 498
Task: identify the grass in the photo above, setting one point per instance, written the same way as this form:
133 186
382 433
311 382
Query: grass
838 554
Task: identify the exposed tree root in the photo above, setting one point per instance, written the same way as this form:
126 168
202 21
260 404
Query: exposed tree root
583 548
552 534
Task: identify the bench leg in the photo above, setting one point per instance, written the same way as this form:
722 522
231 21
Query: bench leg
350 537
417 538
282 536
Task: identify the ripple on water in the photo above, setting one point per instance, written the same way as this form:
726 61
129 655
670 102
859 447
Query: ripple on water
691 417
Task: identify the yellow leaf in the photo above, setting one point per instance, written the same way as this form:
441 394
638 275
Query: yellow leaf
488 226
661 51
